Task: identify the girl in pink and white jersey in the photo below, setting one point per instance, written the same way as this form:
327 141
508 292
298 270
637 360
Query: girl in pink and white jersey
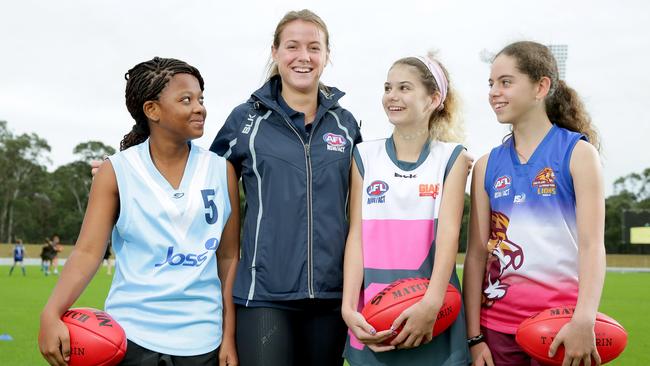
406 204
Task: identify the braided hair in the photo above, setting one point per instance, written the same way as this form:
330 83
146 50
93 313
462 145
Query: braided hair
144 82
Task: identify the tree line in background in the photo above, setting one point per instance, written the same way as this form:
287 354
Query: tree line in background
631 193
35 204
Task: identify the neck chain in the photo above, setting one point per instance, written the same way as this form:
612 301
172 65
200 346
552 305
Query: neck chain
412 136
522 158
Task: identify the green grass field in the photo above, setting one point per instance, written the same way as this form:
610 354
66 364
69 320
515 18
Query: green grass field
626 298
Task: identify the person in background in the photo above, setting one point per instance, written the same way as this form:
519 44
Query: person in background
19 256
108 260
46 256
54 254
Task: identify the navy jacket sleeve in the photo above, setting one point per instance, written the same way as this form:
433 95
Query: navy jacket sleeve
356 135
356 138
225 143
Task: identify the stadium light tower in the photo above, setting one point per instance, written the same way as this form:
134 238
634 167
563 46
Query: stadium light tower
486 56
559 51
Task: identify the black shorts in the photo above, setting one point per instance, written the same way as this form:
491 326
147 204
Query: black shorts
305 332
140 356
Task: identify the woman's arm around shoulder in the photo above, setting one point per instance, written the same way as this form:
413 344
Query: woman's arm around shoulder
225 138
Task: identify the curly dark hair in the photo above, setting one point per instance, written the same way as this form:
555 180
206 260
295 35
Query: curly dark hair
563 105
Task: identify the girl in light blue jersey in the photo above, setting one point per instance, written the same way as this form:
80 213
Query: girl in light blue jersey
536 237
173 209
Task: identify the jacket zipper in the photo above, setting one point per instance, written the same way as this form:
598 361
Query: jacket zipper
310 249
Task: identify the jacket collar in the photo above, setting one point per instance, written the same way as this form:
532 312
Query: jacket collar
268 96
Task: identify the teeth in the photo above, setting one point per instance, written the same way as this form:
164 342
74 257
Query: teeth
302 69
395 109
499 105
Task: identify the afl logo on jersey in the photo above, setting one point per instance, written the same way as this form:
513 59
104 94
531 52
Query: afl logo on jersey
502 182
335 142
377 190
502 186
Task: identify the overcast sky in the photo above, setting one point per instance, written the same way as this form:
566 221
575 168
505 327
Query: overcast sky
62 62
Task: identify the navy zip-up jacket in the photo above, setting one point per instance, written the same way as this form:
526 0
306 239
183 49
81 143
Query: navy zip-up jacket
296 186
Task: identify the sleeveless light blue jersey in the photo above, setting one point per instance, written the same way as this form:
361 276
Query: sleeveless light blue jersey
166 293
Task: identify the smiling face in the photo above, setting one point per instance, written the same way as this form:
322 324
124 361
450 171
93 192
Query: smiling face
513 96
301 55
406 100
179 109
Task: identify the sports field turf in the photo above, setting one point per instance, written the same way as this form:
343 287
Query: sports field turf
626 298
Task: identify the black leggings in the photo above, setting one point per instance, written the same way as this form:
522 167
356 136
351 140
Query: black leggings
313 334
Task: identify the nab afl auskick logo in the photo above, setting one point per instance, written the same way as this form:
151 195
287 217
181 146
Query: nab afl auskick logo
376 192
502 182
501 186
335 142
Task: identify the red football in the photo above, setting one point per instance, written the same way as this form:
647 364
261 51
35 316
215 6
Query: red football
388 304
95 338
536 334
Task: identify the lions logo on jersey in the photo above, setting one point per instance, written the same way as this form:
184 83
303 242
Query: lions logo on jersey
545 182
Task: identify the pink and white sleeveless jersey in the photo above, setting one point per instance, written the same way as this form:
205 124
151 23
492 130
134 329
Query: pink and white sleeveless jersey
533 244
400 207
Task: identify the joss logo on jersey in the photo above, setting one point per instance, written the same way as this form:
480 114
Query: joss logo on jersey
189 259
335 142
377 191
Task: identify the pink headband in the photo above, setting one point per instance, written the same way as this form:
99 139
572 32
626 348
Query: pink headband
438 75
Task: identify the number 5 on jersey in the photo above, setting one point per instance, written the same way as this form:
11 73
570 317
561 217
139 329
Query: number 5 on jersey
208 201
